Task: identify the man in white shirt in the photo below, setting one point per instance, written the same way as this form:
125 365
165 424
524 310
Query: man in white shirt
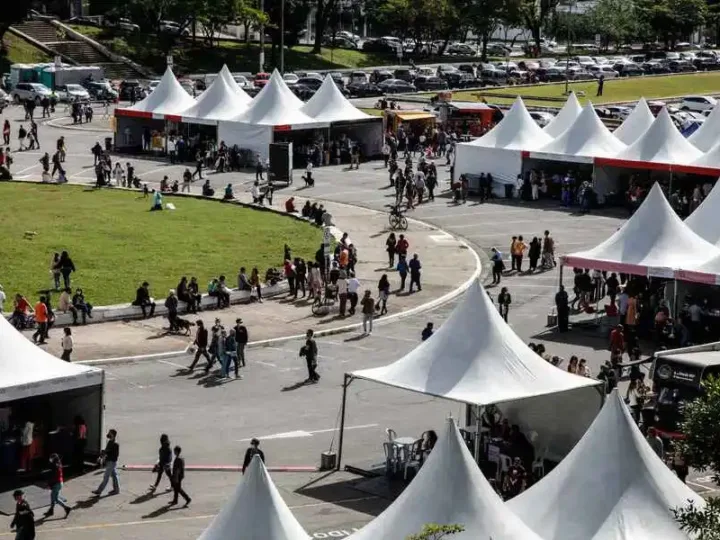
171 149
696 328
623 299
342 294
67 344
353 284
420 184
26 440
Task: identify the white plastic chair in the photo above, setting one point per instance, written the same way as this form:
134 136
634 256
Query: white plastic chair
538 465
391 457
391 435
412 457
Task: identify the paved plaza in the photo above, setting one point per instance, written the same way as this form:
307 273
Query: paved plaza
213 421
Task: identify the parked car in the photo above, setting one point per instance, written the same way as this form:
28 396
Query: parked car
71 92
123 24
655 67
618 111
34 91
290 78
341 42
378 45
302 91
396 86
152 85
697 103
338 78
467 68
681 66
174 28
380 75
541 118
461 49
261 79
363 89
551 74
628 70
497 49
430 83
244 83
606 71
359 77
309 82
101 90
404 74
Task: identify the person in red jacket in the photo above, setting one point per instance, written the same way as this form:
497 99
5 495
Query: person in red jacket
55 483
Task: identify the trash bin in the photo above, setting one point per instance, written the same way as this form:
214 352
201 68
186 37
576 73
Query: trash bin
508 191
108 144
328 461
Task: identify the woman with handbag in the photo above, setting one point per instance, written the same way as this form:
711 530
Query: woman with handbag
163 463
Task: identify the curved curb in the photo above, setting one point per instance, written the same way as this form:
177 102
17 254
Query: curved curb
477 274
51 123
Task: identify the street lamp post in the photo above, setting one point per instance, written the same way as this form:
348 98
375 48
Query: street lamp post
567 51
262 40
282 37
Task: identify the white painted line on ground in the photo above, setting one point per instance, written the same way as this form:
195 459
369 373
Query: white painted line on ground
153 171
349 345
300 434
324 503
26 169
172 364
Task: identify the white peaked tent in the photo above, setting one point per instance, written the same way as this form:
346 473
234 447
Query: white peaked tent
500 151
168 99
219 102
477 359
30 373
274 108
708 134
661 144
256 511
234 86
636 124
584 140
612 486
565 118
705 220
448 489
654 241
708 163
329 105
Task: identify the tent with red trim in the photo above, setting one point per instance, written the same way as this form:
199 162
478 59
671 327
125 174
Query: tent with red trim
565 118
168 99
708 134
653 242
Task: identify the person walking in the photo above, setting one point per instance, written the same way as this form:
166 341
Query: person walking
199 158
241 338
55 483
6 132
534 253
201 345
251 452
383 293
24 520
67 344
353 285
517 250
231 355
497 265
368 310
415 267
41 318
390 244
178 475
310 352
67 267
163 463
600 85
504 300
562 308
402 268
110 455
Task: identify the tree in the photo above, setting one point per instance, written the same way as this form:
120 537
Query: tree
671 20
534 14
701 450
485 16
433 531
215 15
13 12
615 21
323 9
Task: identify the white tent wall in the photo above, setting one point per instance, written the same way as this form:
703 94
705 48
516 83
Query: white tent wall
247 137
504 165
560 420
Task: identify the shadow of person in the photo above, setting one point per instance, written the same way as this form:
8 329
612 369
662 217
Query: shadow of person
295 386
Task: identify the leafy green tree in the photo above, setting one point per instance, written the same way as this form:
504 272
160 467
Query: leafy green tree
701 450
615 21
534 14
433 531
485 16
671 20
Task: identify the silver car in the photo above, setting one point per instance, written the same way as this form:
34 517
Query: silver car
71 92
34 91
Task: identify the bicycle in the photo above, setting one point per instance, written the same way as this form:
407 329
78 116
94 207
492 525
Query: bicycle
397 220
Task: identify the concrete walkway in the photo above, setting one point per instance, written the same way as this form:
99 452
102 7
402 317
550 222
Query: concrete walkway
447 264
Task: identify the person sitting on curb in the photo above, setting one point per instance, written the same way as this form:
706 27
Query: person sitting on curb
207 189
143 300
229 193
82 305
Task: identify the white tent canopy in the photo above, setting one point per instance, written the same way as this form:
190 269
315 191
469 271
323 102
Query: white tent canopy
612 486
654 241
584 140
636 124
708 134
29 371
705 220
448 489
565 118
476 358
168 98
661 143
275 105
219 102
710 159
256 511
234 86
499 152
329 105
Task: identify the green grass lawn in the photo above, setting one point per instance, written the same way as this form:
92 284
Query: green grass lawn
116 242
19 51
624 89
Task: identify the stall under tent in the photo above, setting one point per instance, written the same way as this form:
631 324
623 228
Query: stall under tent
611 486
565 118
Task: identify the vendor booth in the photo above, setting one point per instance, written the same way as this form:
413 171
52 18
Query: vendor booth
468 118
475 358
255 511
39 388
612 485
500 151
275 110
165 103
448 489
411 121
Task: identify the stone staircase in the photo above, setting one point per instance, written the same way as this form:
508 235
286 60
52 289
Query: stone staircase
79 51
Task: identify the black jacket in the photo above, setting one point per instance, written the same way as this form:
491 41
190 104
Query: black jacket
178 469
249 454
142 296
241 334
164 455
201 339
24 520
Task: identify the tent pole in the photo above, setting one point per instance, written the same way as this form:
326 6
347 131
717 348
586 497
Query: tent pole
478 424
346 382
675 309
670 185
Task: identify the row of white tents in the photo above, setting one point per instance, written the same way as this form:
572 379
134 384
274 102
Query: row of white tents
610 485
577 135
656 242
240 119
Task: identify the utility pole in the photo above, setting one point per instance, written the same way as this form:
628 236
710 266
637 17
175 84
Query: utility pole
282 37
262 40
567 51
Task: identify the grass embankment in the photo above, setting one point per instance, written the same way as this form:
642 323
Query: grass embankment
19 51
623 89
116 242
